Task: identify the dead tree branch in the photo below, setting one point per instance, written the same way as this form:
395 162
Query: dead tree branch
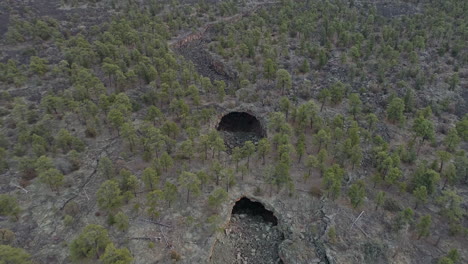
356 220
165 238
19 187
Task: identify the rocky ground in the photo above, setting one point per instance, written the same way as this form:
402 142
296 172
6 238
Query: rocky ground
205 64
248 239
237 139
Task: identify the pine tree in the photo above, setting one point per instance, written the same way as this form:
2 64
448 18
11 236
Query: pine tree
281 174
285 106
90 243
116 119
43 163
247 150
113 255
9 206
216 169
283 80
263 148
218 145
337 92
380 200
150 178
450 175
404 218
409 101
128 183
462 128
323 58
204 144
300 147
166 161
425 177
322 157
395 110
452 140
269 69
38 65
12 255
311 162
52 177
237 155
153 199
423 128
357 193
228 177
322 138
129 134
217 197
170 193
305 66
371 121
109 196
221 90
451 209
393 175
190 182
332 179
323 97
420 193
106 168
444 157
52 104
186 149
153 114
355 105
423 226
121 221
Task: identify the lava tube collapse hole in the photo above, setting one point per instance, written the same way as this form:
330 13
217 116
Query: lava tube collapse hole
253 236
239 127
246 206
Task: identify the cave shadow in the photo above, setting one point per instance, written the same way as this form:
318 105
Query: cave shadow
247 206
241 122
240 127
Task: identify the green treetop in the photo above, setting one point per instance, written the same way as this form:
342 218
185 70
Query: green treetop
113 255
12 255
90 243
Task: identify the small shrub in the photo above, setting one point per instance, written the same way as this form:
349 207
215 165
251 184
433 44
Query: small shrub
6 236
72 208
316 192
175 255
374 253
90 132
147 155
392 205
68 220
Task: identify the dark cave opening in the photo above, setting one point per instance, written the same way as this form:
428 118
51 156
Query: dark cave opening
253 235
249 207
239 127
241 122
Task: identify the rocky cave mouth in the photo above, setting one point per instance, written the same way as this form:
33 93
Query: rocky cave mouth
239 127
249 207
252 236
